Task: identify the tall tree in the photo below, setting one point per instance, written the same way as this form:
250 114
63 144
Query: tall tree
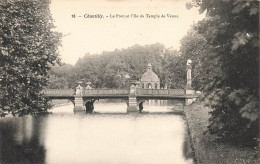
174 69
232 29
28 46
195 47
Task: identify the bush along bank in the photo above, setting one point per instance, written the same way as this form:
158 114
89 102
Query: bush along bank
207 150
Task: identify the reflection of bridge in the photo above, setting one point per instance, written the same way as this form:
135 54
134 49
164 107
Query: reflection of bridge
133 100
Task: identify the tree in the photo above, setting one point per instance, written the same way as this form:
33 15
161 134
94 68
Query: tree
28 47
175 70
59 76
195 47
109 69
231 29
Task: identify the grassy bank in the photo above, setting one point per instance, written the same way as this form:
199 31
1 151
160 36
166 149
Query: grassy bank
206 150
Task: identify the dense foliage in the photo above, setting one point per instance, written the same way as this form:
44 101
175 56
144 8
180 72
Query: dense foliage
28 47
109 69
195 47
231 31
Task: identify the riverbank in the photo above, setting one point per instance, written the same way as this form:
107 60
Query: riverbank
54 103
207 151
57 103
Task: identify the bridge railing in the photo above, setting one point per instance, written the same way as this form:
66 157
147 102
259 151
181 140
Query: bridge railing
106 92
163 92
59 92
89 92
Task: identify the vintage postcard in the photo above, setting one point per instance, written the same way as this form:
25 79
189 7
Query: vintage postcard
129 81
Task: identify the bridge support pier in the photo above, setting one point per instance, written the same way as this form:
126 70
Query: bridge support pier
132 105
78 104
189 100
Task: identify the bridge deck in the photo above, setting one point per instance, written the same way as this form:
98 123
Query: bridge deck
117 93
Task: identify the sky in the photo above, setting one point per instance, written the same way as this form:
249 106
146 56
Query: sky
116 31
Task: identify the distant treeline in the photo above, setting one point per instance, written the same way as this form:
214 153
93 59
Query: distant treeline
108 69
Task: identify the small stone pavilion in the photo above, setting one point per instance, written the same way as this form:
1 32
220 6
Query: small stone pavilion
150 80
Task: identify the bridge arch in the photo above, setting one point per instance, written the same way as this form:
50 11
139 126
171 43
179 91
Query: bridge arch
89 105
140 104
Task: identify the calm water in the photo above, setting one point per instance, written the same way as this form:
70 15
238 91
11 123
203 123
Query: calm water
110 136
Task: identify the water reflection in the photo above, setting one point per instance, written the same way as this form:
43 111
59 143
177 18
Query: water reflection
98 138
187 149
20 141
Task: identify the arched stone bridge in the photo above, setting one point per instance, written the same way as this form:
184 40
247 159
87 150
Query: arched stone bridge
134 99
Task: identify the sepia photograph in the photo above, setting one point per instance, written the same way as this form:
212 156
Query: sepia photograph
129 82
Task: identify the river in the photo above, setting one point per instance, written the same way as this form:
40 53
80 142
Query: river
107 136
